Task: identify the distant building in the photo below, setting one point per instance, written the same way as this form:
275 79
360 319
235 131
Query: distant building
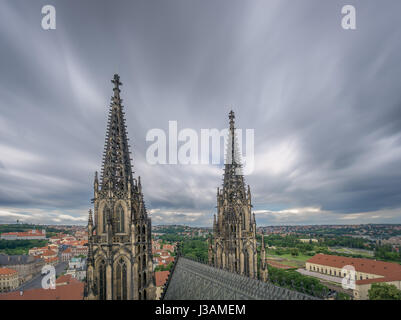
79 250
81 235
162 261
168 247
26 265
76 263
8 279
366 272
39 251
156 245
77 268
50 257
55 239
66 255
28 235
393 240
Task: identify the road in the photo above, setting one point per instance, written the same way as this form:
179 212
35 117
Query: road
36 282
320 276
333 283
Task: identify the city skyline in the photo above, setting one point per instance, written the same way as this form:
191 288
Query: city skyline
324 104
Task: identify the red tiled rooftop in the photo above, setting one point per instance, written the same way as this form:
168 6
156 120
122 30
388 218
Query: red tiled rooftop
66 279
161 277
72 291
49 253
388 270
7 271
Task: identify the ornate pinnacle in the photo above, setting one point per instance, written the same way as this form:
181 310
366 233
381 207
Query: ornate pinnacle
116 82
263 240
96 182
116 98
90 219
231 116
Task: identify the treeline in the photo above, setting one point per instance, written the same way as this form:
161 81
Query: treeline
172 229
195 248
171 237
293 280
4 228
164 268
385 252
15 247
348 242
384 291
22 227
294 242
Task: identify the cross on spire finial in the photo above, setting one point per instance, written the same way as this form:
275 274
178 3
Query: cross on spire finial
231 116
116 81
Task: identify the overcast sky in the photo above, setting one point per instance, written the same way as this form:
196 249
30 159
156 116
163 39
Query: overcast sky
325 104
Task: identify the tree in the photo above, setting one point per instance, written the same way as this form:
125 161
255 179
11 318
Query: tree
294 252
342 296
164 267
384 291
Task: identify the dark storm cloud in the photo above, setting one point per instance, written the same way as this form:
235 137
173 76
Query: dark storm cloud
325 104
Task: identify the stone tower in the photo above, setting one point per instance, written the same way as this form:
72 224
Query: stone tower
119 235
234 229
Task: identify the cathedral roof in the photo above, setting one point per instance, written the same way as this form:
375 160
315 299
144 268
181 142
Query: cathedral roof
192 280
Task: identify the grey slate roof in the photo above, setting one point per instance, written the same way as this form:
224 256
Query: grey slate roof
191 280
6 260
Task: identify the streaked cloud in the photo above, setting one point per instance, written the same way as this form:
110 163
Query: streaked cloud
324 103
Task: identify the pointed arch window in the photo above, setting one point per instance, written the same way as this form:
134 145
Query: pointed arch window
106 213
143 233
139 281
121 280
119 220
102 280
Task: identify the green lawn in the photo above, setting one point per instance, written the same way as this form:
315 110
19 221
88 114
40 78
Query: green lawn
300 257
365 253
288 259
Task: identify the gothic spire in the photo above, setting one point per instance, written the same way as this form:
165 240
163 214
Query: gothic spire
235 228
116 167
233 179
232 140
